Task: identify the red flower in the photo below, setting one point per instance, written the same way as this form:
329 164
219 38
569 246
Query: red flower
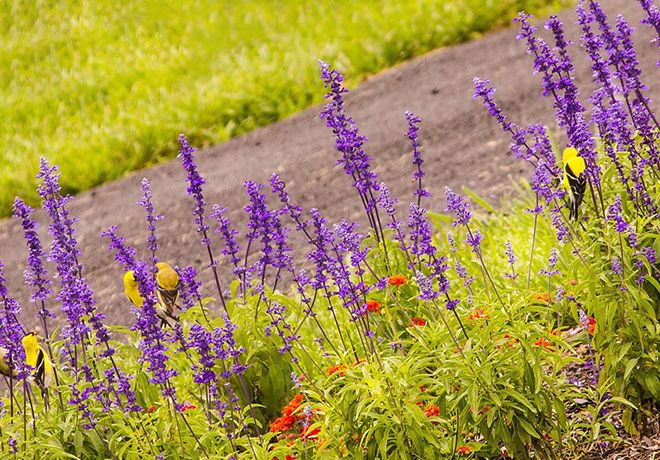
464 450
150 409
339 369
187 406
293 404
478 313
422 388
373 306
417 322
431 410
397 280
591 326
284 423
541 342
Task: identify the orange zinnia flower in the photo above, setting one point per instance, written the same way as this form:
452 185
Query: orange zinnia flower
464 450
541 297
283 423
431 410
417 322
397 280
541 342
478 313
339 369
373 306
591 327
293 404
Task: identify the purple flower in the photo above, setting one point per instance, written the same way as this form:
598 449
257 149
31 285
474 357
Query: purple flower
614 214
348 140
36 275
228 235
124 254
295 212
151 217
195 183
457 206
511 258
616 266
552 262
189 287
411 134
277 313
426 291
652 18
11 331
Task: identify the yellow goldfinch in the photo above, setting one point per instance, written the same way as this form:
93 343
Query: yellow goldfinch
167 291
4 364
168 288
131 289
38 359
575 180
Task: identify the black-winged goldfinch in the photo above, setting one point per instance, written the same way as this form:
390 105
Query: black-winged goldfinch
38 360
575 180
167 290
4 364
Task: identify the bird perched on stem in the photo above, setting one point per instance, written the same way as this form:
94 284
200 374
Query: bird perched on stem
575 179
38 360
5 368
167 281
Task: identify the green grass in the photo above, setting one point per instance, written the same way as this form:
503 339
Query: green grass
103 88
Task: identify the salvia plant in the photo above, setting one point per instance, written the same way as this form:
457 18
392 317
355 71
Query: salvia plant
530 332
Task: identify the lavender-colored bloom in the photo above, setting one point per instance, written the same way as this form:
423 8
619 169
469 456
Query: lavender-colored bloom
425 283
13 445
419 174
348 140
457 206
124 254
559 295
616 266
649 253
510 257
36 275
473 239
189 287
278 322
228 235
552 262
614 214
485 92
11 331
152 336
652 18
557 70
295 212
152 217
195 183
452 304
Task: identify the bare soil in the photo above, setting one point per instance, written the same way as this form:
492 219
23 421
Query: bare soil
462 146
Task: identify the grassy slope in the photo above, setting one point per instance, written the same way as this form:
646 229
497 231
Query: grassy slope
102 88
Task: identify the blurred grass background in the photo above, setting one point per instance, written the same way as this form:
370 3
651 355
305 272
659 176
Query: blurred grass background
103 87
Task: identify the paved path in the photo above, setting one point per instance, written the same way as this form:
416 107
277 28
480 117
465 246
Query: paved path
462 145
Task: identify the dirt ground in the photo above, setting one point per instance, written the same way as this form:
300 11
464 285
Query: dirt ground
462 146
